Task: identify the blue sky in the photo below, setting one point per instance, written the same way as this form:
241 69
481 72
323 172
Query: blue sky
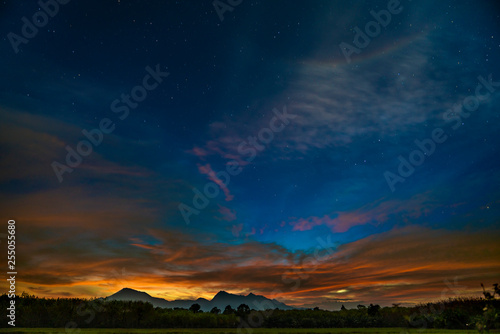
320 177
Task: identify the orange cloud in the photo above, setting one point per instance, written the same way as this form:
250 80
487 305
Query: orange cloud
408 265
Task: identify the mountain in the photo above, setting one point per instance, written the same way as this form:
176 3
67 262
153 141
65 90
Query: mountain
220 300
134 295
256 302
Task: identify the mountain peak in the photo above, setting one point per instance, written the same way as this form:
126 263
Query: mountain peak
129 294
221 293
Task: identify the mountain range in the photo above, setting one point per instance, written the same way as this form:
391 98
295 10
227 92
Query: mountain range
220 300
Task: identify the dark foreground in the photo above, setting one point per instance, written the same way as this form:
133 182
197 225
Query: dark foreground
235 331
73 315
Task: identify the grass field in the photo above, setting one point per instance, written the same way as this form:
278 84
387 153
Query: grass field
234 331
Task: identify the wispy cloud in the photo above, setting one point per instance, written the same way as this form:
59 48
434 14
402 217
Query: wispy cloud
376 213
227 214
207 170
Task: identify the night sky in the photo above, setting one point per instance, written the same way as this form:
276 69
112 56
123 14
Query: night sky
287 148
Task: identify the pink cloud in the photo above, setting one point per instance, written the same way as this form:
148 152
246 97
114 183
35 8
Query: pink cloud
306 224
207 170
340 224
227 147
373 213
199 152
227 214
236 229
262 229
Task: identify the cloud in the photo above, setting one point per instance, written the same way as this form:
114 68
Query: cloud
376 212
227 214
340 105
236 230
199 152
29 144
309 223
207 170
410 265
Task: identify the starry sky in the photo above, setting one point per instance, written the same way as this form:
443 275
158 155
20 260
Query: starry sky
287 148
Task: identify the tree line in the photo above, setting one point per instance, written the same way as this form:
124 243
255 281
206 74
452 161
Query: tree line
75 313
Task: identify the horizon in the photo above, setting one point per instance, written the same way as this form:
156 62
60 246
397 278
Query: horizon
317 153
336 307
332 307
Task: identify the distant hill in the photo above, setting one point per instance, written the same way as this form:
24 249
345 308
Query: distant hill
134 295
220 300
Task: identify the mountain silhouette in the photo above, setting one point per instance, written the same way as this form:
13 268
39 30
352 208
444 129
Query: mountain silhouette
220 300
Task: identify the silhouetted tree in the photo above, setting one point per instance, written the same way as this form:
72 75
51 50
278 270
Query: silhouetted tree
228 310
373 310
215 310
243 309
490 318
195 308
343 308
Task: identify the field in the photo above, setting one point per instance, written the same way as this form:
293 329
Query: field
235 331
